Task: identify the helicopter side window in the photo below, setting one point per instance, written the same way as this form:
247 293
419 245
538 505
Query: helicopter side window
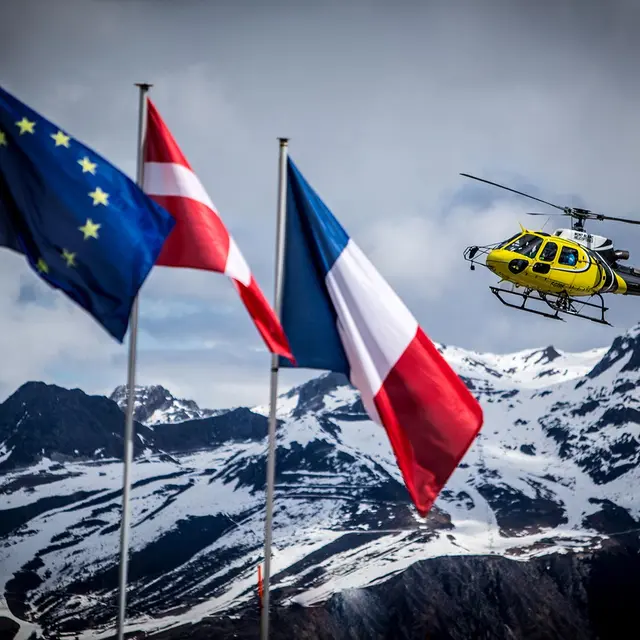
526 245
568 256
549 252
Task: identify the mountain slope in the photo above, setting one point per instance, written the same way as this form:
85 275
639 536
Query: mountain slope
530 486
41 420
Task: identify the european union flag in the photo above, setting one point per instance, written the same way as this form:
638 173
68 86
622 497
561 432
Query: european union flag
82 224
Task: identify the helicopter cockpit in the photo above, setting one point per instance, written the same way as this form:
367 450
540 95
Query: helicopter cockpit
526 244
539 245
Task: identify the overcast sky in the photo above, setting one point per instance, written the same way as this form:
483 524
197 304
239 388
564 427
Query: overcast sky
385 104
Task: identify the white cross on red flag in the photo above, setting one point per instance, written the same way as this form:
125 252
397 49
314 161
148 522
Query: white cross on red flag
200 240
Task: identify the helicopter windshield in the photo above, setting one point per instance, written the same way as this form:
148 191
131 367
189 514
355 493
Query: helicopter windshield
527 245
503 244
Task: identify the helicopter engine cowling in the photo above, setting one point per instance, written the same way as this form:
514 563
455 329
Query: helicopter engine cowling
589 240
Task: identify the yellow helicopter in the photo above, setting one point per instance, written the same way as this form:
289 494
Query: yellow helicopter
558 269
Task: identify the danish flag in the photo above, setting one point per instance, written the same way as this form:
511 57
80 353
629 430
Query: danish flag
199 239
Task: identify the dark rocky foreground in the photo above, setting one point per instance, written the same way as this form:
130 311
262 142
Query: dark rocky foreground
568 597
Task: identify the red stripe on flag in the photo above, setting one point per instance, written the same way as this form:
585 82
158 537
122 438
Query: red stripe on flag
160 145
266 322
202 244
431 419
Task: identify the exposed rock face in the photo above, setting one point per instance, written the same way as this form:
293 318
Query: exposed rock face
563 597
46 421
156 405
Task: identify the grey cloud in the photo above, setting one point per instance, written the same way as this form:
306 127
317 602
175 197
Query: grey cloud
31 293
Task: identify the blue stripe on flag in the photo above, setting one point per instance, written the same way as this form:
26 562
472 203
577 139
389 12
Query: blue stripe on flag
329 238
314 240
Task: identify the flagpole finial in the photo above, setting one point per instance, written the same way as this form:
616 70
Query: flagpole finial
143 85
284 142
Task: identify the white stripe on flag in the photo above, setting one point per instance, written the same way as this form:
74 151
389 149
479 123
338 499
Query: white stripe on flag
237 267
170 179
374 324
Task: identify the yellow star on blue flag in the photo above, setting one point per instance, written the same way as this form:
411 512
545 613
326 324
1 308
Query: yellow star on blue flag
83 225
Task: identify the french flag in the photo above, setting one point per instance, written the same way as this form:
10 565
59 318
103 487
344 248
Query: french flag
339 314
199 239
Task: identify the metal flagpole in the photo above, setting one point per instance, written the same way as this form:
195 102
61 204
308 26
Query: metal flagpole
131 375
271 457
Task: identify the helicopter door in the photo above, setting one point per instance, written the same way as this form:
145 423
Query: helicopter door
569 257
569 263
546 257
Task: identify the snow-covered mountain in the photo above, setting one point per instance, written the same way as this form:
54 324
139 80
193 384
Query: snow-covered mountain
554 469
156 405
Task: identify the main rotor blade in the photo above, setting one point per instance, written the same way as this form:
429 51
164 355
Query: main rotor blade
501 186
578 214
589 215
599 216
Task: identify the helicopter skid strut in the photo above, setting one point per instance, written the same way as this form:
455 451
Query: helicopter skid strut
560 303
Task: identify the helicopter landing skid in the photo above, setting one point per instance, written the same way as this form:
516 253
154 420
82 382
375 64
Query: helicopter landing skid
561 303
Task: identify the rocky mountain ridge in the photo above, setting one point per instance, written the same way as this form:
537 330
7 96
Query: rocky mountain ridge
156 405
